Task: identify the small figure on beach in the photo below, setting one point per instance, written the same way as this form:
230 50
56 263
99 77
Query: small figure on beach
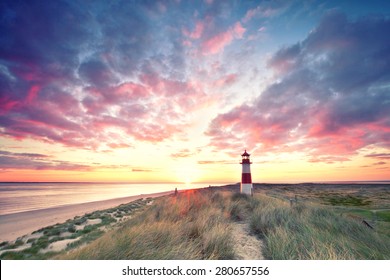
175 191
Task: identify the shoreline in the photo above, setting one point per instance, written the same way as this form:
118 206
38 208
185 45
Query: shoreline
15 225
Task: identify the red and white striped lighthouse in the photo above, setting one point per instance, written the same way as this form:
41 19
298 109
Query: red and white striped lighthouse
246 178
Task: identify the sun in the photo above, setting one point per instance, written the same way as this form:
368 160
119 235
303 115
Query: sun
187 173
188 183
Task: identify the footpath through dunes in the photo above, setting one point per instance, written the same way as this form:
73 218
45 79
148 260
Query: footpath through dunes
246 245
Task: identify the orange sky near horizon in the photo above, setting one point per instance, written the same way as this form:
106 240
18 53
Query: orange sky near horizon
194 169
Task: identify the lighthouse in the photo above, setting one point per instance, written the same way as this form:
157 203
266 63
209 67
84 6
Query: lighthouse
246 178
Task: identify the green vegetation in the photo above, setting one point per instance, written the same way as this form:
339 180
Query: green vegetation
347 200
384 215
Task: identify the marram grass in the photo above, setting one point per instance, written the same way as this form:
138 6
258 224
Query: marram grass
198 225
314 233
191 225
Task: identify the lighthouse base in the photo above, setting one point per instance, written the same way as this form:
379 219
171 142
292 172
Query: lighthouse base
246 188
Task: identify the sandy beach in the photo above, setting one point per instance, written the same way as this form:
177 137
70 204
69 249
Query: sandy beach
16 225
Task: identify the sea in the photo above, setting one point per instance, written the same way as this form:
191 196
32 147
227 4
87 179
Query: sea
22 197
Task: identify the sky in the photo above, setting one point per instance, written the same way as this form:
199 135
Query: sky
175 91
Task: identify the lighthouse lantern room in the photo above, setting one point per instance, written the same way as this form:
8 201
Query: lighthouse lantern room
246 178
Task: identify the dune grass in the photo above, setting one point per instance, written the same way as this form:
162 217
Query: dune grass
313 232
192 225
197 225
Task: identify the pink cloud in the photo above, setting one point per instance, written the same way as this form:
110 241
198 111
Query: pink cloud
119 145
32 93
197 32
226 80
328 159
6 104
130 90
61 118
250 14
218 42
238 30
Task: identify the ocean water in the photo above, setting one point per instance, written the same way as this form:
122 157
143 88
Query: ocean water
21 197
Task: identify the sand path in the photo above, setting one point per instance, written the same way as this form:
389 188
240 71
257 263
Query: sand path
246 245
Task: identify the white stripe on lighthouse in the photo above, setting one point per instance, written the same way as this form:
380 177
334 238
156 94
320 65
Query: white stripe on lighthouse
246 188
246 168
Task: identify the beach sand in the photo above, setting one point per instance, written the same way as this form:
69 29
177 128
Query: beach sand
16 225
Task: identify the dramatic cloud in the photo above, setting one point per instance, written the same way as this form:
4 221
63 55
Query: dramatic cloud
113 77
10 160
330 98
73 73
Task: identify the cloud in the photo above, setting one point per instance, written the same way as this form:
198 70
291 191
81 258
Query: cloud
141 170
183 153
329 99
9 160
197 32
25 155
379 163
226 80
383 156
72 74
218 42
216 162
266 9
96 73
328 159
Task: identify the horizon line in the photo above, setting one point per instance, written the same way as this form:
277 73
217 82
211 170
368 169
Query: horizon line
183 183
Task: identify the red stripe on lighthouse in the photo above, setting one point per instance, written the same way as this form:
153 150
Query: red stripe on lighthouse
246 178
